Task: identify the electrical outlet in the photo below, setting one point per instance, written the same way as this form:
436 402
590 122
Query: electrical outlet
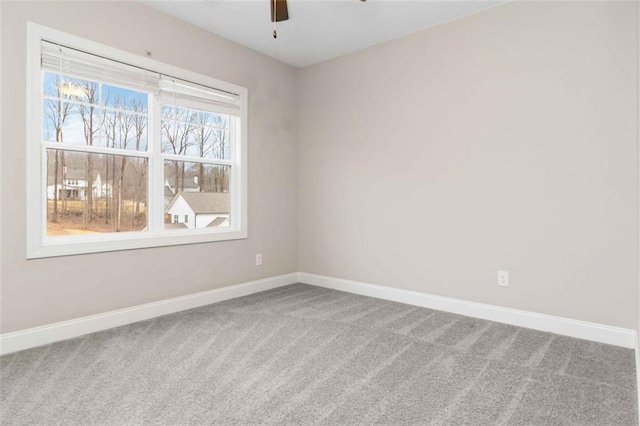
258 259
503 278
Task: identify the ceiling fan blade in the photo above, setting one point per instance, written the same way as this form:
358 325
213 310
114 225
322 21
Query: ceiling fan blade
281 12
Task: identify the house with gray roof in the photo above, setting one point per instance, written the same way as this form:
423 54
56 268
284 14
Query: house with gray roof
199 209
188 184
173 186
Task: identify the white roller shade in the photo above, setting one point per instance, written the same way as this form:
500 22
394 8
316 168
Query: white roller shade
192 95
171 90
75 63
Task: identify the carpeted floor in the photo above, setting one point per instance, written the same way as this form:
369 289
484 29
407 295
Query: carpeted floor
303 355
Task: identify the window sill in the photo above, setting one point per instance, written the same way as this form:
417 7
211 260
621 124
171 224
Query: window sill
66 246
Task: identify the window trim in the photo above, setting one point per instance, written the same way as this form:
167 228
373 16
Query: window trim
38 246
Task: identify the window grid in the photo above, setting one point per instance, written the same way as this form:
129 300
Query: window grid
39 245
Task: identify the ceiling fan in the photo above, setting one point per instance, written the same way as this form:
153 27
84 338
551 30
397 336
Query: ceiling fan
280 12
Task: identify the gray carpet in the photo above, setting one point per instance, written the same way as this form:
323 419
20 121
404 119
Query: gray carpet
303 355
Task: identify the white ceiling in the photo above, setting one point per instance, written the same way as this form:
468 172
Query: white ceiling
317 29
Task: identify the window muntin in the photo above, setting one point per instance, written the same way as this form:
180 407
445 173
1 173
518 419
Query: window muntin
117 123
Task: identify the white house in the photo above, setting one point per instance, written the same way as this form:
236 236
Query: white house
171 188
74 185
200 209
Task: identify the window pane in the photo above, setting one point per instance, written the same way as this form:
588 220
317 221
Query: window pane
68 117
59 125
72 123
62 86
51 84
95 193
196 195
118 97
175 132
123 130
195 133
75 114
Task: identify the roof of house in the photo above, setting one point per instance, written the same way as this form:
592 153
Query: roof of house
188 182
80 174
205 202
216 222
175 226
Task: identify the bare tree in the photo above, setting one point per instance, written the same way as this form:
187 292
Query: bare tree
90 126
140 170
202 132
119 127
110 126
57 112
126 123
177 128
221 139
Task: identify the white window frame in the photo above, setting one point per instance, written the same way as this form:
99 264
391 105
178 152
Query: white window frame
39 245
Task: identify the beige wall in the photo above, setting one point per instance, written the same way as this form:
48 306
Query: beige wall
502 141
38 292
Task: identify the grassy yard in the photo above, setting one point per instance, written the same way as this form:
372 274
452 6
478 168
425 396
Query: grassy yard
71 220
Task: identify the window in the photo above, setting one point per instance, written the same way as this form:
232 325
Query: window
119 145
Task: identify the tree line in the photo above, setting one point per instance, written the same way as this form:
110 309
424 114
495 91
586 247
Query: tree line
186 131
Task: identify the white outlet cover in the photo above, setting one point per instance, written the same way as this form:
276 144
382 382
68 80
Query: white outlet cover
503 278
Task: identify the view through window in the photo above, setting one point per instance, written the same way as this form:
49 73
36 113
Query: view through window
127 150
94 192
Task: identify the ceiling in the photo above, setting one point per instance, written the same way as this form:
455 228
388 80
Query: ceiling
317 29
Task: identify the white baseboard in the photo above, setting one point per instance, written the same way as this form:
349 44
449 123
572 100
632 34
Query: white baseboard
564 326
637 342
38 336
